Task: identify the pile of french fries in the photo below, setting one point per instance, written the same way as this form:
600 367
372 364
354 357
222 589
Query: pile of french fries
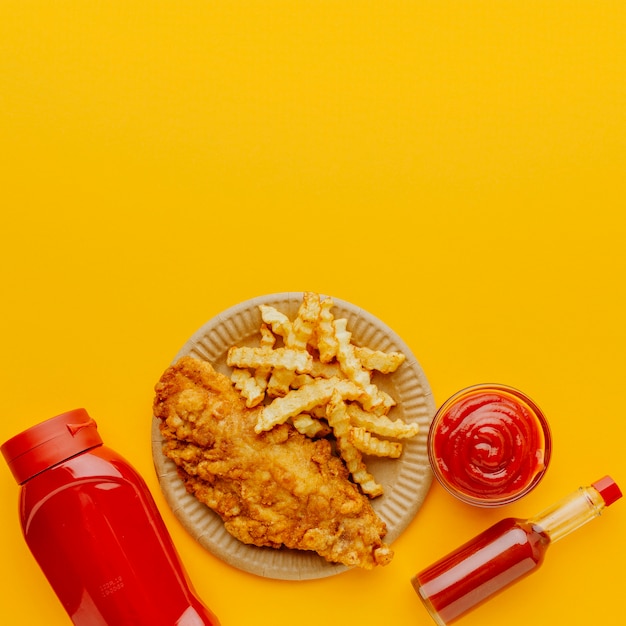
309 372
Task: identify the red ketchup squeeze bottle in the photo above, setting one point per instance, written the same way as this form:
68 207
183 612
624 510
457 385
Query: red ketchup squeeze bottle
505 552
95 531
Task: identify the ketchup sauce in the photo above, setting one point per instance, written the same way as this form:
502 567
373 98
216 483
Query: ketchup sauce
489 445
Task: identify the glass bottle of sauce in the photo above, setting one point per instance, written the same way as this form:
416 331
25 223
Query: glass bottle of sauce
507 551
95 531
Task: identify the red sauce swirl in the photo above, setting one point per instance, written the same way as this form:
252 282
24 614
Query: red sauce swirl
489 444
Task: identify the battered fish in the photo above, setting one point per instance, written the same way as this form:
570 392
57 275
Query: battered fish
276 488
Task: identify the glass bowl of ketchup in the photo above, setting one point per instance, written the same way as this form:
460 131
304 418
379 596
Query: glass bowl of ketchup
489 445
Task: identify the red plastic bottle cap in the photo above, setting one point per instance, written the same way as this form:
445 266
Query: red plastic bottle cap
608 489
51 442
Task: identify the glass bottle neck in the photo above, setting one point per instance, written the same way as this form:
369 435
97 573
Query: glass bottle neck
562 518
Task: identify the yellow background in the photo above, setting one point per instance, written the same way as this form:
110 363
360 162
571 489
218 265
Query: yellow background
455 168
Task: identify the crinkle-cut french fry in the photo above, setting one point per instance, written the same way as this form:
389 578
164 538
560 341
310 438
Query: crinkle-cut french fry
303 400
310 426
267 342
278 322
384 402
247 385
381 424
268 339
325 370
313 341
282 358
300 380
366 443
339 421
280 381
337 415
261 377
383 362
318 412
326 339
349 363
295 336
304 324
352 368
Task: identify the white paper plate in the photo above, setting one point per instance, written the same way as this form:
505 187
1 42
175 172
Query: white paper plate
406 480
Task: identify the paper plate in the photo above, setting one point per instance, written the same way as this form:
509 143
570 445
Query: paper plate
405 480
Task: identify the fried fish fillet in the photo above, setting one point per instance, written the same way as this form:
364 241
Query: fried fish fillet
276 488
